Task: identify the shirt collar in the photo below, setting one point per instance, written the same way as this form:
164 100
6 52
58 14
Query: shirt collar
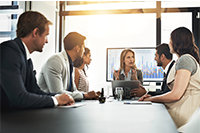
167 67
28 55
128 76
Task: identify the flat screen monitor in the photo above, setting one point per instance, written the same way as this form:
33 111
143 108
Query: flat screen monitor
144 59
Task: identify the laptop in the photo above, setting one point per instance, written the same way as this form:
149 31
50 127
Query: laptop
127 87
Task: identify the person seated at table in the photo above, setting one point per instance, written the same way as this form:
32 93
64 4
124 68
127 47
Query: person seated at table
81 79
183 79
57 73
128 69
163 57
18 86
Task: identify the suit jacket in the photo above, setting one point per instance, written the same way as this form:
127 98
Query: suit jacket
55 76
18 86
164 87
139 76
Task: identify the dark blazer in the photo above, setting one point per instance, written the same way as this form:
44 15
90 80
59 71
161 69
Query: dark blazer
139 76
164 87
18 86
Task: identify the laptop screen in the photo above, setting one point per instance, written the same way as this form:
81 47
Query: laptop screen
126 85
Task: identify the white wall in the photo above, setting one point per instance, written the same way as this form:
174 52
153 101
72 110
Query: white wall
106 31
48 9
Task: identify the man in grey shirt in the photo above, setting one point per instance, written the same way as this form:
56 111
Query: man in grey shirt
57 73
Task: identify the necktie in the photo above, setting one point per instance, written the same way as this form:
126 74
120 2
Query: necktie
165 75
29 75
30 64
70 83
164 82
164 85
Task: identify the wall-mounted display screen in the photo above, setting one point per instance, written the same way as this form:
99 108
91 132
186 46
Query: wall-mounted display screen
144 59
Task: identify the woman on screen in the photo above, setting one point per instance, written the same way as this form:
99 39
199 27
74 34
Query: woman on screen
128 69
81 79
183 79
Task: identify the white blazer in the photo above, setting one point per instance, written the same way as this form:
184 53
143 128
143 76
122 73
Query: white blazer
55 76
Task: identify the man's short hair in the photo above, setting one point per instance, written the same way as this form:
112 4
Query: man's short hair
164 49
73 39
30 20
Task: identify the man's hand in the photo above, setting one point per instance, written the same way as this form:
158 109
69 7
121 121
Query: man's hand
91 95
98 93
64 99
138 91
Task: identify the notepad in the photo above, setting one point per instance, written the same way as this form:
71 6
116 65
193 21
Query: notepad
138 102
73 106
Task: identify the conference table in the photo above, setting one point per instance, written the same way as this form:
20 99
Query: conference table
91 117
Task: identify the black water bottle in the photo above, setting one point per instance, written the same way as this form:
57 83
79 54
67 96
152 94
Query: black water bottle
102 99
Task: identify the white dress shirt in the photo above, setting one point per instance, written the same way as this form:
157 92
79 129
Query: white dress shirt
28 56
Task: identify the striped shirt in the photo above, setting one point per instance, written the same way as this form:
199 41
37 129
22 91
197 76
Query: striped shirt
83 81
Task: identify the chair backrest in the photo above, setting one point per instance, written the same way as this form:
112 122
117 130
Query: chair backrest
193 125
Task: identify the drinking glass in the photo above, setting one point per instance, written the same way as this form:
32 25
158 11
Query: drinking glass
119 93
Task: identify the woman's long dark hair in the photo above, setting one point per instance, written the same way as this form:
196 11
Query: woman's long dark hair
183 42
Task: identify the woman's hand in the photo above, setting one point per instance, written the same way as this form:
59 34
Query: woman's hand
116 74
145 97
134 74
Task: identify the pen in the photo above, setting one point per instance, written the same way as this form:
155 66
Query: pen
137 103
127 103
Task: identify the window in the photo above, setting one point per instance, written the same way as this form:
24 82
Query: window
9 13
171 21
120 24
116 30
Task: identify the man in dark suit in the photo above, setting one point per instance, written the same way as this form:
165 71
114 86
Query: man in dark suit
163 57
18 86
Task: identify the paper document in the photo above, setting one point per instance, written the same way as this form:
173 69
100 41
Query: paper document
138 102
73 106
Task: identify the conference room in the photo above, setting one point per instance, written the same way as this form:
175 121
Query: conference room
111 102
